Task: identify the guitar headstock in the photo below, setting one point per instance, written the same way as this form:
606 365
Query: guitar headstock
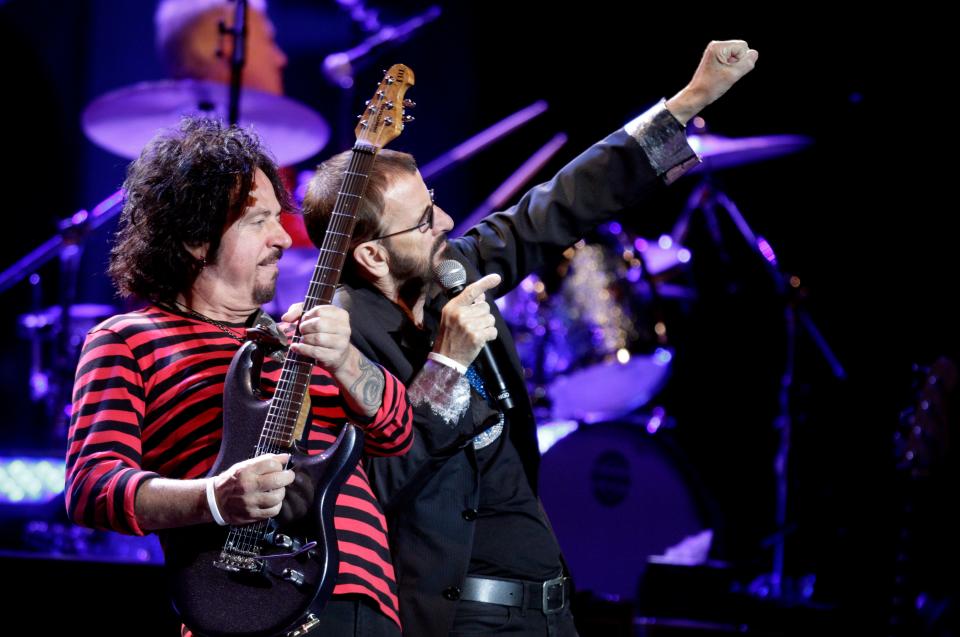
385 115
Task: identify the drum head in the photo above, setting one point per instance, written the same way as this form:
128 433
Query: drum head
617 495
609 390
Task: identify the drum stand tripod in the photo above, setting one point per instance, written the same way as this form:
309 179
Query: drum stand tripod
710 200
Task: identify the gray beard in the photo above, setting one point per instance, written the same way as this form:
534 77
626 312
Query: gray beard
408 272
414 278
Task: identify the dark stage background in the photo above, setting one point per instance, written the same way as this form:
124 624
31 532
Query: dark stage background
862 217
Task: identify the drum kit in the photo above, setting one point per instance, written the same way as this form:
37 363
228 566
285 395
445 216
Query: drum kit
591 333
592 342
122 122
593 338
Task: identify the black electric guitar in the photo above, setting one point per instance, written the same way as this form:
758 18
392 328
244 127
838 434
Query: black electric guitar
260 579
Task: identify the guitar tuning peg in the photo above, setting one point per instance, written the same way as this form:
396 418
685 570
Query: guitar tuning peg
408 118
388 121
409 104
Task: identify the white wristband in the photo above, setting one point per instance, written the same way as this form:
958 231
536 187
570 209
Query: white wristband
449 362
212 503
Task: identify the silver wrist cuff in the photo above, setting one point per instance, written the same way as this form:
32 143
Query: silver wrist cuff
664 141
445 390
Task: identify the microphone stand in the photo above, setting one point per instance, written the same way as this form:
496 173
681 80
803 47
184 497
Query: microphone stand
339 68
237 57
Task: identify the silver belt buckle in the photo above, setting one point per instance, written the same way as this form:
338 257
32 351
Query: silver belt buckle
554 595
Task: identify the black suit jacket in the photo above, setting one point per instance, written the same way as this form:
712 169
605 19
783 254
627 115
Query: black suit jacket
425 492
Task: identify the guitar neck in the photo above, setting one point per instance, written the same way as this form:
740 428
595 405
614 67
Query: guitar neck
336 241
382 121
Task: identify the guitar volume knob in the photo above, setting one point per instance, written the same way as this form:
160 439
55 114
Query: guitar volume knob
294 576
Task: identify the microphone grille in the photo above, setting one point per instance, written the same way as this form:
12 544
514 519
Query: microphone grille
450 274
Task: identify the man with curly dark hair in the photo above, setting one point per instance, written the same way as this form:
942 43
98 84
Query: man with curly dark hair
162 242
199 242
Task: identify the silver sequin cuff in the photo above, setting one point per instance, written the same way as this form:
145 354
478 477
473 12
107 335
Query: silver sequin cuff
489 435
664 141
445 390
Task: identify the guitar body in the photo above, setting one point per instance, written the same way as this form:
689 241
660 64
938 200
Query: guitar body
215 602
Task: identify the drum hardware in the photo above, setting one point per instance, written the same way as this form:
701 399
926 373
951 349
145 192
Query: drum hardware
708 199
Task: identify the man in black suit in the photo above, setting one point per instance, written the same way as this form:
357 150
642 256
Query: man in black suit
473 549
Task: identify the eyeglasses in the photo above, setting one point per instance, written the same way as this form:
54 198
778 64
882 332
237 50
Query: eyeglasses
424 226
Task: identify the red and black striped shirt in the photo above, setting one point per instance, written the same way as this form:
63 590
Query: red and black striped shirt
148 401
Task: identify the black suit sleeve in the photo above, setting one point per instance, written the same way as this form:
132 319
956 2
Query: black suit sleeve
607 178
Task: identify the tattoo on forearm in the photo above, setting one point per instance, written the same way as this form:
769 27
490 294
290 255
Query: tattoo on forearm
368 388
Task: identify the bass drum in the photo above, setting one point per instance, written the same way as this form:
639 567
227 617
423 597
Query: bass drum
617 495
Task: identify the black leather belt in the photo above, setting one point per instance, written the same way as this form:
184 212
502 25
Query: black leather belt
550 596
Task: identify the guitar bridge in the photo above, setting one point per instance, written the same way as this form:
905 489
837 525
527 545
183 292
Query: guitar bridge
236 561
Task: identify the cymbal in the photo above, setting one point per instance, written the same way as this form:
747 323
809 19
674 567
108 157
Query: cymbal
724 152
124 120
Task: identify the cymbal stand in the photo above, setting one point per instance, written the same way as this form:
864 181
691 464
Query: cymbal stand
709 199
67 244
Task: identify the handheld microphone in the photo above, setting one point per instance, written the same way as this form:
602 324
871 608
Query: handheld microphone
453 279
